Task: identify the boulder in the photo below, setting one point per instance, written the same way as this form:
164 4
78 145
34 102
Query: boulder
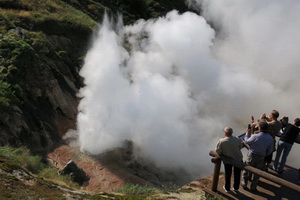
77 174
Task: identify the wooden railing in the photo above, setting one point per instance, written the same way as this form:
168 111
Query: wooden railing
216 159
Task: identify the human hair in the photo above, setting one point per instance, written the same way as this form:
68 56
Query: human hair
228 130
275 114
284 120
297 122
263 126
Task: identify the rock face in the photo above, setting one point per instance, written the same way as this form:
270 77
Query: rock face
77 174
47 104
39 64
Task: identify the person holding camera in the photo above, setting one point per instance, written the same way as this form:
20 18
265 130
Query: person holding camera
286 142
260 145
274 127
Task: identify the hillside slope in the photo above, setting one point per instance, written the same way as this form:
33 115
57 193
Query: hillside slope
34 180
17 182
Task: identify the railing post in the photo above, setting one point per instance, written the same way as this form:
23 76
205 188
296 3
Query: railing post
216 174
217 160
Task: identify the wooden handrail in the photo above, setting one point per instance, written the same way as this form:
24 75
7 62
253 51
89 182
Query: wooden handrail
248 168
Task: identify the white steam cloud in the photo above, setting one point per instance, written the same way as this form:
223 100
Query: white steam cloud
181 82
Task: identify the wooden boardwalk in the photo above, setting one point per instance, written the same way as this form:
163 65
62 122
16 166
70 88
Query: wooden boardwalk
266 189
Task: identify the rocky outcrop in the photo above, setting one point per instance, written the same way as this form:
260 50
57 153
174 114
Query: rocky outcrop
77 174
47 104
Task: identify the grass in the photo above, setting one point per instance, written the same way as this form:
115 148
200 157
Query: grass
34 165
35 14
16 160
133 189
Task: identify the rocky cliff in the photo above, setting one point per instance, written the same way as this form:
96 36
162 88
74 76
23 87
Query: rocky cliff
42 47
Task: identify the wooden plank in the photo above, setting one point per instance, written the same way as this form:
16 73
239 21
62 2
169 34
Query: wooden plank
266 190
261 173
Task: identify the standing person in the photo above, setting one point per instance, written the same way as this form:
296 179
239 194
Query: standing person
230 146
260 145
285 144
274 127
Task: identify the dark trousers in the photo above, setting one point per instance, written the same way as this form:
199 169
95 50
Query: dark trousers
268 159
256 161
236 176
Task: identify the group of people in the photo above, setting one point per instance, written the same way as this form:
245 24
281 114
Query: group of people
261 143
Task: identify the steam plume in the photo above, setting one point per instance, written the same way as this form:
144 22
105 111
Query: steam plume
181 82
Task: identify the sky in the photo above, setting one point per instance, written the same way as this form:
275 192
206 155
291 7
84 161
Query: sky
173 83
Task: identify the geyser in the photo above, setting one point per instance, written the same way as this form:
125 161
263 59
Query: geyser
171 84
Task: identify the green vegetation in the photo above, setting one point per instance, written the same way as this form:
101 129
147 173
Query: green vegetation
48 15
133 10
14 54
133 189
24 29
7 94
33 164
25 176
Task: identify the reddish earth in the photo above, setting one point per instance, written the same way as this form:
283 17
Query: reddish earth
104 176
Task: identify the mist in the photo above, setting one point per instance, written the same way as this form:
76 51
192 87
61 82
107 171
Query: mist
172 84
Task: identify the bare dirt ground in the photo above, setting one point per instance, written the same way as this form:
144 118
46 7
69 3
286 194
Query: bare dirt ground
110 171
103 176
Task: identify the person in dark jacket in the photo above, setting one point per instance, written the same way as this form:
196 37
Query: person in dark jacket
285 144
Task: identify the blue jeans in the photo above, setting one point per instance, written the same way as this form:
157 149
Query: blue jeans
286 148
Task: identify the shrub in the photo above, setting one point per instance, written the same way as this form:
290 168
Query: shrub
22 155
35 165
52 174
7 94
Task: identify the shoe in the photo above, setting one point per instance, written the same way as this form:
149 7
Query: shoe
254 190
235 191
227 191
273 168
280 172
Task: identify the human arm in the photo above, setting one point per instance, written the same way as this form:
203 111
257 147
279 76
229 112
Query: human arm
219 148
248 134
250 139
